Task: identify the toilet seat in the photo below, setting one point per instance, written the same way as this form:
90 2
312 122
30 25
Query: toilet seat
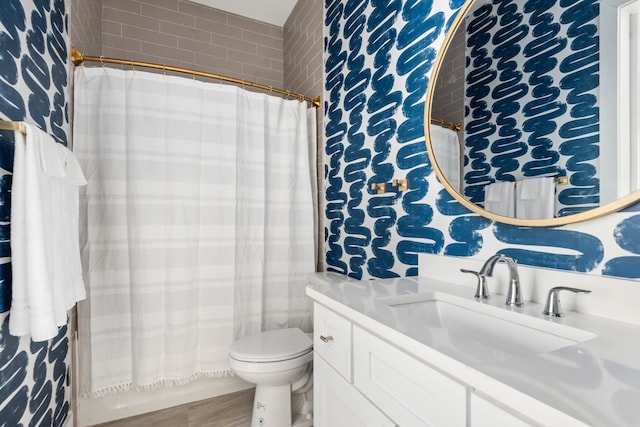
271 346
265 368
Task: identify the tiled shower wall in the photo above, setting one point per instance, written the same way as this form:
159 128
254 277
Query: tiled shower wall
448 97
85 26
186 34
303 48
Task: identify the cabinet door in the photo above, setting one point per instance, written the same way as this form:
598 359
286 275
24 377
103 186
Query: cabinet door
332 339
404 388
486 414
336 403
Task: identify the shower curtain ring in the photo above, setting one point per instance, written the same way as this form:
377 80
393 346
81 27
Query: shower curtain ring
288 94
102 60
164 69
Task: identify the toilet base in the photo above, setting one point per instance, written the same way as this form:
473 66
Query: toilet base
301 420
272 406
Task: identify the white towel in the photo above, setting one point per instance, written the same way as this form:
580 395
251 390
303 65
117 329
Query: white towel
535 198
47 275
499 198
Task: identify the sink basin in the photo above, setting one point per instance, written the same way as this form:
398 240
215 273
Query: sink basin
480 330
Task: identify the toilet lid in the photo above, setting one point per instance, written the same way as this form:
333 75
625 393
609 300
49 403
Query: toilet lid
269 346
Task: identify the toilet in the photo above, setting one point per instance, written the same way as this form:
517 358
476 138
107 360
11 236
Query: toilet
278 362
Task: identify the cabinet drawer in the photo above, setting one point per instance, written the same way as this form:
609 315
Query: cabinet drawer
407 390
336 403
332 339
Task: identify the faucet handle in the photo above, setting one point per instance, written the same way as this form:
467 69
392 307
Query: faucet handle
482 292
552 307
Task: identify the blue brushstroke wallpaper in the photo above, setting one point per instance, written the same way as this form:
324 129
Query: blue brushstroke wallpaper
34 377
532 83
378 59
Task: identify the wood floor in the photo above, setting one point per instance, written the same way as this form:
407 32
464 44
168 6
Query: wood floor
231 410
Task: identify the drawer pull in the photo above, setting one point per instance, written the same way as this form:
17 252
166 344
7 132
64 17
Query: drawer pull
326 339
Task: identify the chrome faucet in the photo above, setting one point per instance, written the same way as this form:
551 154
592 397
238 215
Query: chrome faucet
514 298
482 291
552 307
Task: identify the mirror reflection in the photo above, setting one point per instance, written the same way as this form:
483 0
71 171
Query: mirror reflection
546 96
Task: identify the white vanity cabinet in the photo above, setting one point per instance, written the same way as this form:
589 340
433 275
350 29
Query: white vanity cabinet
337 403
407 390
360 379
423 352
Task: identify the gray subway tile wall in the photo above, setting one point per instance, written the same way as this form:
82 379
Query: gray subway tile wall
186 34
303 48
85 30
448 100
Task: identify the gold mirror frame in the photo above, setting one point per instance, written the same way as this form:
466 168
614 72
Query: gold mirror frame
615 206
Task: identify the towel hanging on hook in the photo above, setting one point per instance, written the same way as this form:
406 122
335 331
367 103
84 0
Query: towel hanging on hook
45 265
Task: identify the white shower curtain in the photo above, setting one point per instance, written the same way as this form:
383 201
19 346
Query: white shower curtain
446 146
197 224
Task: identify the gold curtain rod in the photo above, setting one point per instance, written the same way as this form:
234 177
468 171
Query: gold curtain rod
14 126
449 125
78 58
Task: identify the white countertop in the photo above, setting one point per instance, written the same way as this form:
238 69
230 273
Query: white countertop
595 381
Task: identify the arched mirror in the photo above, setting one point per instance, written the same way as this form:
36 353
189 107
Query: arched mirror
533 115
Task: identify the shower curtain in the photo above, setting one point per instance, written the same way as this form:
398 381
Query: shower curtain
197 223
446 146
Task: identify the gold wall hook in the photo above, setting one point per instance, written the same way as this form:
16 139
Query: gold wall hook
14 126
381 187
401 184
